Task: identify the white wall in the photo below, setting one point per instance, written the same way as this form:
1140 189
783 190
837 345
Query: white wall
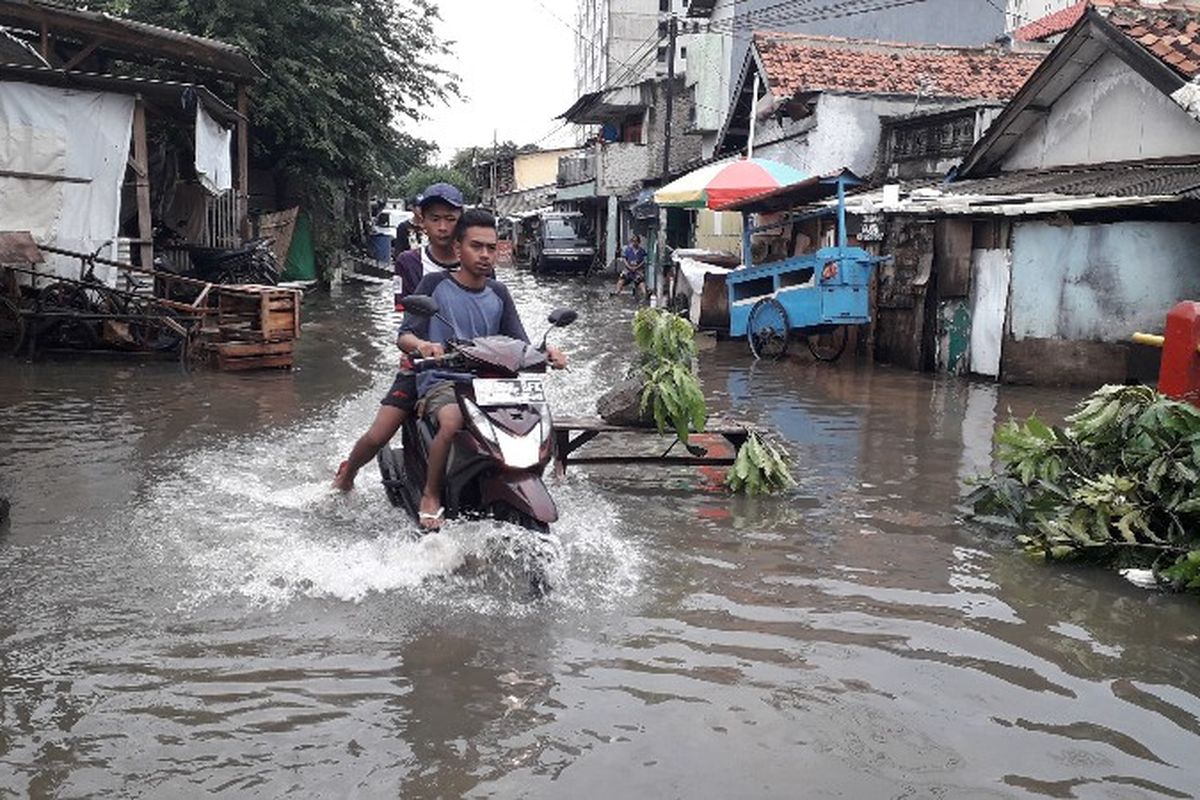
1110 114
1100 282
846 134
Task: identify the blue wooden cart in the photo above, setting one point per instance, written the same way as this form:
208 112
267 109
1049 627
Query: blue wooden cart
819 295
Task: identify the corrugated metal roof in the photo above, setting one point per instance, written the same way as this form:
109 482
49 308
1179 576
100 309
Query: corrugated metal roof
515 204
1114 180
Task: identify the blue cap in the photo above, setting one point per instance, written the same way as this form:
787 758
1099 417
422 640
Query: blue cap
440 191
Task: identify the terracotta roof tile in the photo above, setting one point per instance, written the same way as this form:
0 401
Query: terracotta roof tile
796 63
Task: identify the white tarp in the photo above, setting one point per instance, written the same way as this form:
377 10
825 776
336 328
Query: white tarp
214 162
56 133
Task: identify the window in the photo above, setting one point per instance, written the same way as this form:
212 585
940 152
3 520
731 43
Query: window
662 55
683 53
664 6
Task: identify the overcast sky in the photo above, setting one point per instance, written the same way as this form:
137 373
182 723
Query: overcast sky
516 63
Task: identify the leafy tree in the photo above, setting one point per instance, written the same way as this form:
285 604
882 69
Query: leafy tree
342 78
415 180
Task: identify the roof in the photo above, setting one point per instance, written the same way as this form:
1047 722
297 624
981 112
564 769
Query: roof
136 41
608 104
796 63
1060 21
1042 192
1093 36
1063 20
794 195
517 204
172 95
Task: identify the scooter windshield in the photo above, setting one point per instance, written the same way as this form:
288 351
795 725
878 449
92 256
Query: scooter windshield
505 353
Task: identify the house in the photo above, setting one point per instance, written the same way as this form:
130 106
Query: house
1069 225
517 182
606 178
99 187
820 103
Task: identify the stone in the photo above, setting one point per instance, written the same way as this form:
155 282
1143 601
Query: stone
621 405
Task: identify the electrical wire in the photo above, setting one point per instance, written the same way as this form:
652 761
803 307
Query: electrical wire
836 10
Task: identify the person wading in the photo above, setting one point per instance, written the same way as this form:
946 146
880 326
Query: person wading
471 304
438 210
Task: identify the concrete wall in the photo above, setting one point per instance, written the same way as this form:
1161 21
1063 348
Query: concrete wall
845 133
719 231
536 169
621 168
1109 97
1100 282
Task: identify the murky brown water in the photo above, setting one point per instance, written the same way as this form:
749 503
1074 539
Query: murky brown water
187 610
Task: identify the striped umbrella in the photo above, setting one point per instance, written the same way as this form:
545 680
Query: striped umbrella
726 182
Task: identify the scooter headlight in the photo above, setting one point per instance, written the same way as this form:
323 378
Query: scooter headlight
481 423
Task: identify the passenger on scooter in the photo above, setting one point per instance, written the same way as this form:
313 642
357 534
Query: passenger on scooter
475 305
438 210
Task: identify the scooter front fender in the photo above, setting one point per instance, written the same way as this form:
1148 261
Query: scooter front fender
523 492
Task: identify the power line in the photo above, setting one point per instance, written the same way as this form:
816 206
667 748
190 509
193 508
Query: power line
836 10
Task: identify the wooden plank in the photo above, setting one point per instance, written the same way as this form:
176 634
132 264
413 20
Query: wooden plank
264 362
42 176
243 162
141 155
716 425
78 58
242 349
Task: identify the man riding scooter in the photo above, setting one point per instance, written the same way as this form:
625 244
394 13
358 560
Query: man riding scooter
471 305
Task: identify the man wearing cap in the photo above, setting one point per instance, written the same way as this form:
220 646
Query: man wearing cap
438 210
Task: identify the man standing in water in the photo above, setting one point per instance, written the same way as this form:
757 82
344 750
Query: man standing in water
438 210
474 304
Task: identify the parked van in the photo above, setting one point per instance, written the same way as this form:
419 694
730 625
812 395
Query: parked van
561 243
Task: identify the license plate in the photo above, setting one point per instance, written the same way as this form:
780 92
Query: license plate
508 391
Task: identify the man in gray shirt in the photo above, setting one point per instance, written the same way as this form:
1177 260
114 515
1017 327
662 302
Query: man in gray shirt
474 304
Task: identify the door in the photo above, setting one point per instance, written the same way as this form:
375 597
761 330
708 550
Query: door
991 273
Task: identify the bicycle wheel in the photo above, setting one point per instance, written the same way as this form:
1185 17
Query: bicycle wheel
829 343
768 329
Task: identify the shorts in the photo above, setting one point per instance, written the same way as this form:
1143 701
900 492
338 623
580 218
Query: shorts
403 394
440 395
636 278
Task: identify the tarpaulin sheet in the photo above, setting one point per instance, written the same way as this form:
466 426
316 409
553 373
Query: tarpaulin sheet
214 163
57 134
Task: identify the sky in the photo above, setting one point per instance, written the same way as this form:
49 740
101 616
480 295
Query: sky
516 64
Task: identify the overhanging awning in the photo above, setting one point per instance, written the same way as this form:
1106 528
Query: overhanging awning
795 195
597 108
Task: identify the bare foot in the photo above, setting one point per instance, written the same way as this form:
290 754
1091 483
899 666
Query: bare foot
430 513
343 480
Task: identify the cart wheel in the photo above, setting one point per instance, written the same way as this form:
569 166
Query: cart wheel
12 328
77 333
828 344
768 329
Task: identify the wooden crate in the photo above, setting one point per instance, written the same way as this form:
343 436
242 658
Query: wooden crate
235 356
258 313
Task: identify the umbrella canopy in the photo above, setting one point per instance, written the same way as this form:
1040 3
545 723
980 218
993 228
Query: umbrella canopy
727 182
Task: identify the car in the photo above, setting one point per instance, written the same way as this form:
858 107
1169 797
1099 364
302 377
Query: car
561 243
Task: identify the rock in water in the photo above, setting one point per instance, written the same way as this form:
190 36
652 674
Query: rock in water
621 405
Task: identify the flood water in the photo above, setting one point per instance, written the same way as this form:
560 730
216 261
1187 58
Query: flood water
187 610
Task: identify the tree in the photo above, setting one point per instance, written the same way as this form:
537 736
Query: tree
415 181
342 77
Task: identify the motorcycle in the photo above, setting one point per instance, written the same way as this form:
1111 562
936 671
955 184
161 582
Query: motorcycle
497 460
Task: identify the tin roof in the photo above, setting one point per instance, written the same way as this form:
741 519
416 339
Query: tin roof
131 39
796 63
1105 180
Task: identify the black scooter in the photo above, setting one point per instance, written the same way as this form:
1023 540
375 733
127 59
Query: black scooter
497 461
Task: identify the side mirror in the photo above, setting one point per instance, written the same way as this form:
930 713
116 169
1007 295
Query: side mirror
562 317
420 304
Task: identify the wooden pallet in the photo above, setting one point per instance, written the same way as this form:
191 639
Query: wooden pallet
258 313
237 356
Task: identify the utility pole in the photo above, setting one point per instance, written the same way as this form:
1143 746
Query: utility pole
495 168
672 34
661 245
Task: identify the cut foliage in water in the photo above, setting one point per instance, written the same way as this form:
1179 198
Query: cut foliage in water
761 468
671 391
1118 485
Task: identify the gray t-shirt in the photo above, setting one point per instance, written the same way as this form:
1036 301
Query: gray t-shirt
472 313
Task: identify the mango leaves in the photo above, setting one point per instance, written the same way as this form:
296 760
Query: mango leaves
666 347
1120 484
760 468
